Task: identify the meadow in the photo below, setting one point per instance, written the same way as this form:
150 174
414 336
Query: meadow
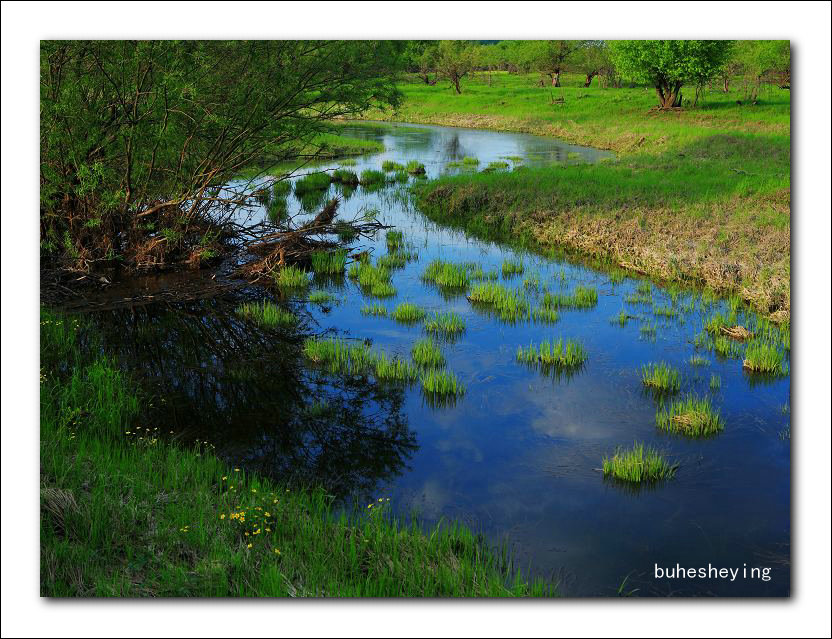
699 194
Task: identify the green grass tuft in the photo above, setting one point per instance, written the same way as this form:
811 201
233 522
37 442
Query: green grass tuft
691 416
329 262
426 353
660 377
637 465
266 314
446 324
556 354
764 357
408 313
291 278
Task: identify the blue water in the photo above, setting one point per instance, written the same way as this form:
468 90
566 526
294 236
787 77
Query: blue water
518 456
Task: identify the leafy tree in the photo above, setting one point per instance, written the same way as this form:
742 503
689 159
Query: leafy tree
551 57
764 59
141 139
592 59
454 60
669 64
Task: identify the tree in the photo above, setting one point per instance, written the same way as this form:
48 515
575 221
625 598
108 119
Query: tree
670 64
764 59
592 59
552 56
454 60
140 140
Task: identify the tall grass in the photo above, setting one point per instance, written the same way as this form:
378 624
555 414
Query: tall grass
582 297
559 354
426 353
408 313
373 280
512 267
507 304
290 278
691 416
445 324
764 357
311 183
660 377
329 262
638 464
266 313
448 275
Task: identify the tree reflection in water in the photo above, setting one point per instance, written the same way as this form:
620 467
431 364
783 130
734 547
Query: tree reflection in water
246 390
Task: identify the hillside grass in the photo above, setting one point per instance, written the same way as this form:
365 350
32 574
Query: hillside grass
701 195
128 512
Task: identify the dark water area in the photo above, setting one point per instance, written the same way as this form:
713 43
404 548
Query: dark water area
518 456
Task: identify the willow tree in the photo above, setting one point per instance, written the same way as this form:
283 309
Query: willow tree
140 138
668 65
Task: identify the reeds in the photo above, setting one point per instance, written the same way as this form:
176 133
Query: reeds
445 324
321 297
414 167
426 354
389 166
559 354
371 177
448 275
439 384
329 262
376 310
764 357
660 377
346 177
512 267
311 183
408 313
638 464
508 305
691 416
582 298
373 280
266 313
291 278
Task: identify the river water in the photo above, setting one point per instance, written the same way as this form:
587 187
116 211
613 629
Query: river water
518 456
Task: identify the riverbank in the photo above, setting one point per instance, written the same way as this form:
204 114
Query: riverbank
127 510
700 195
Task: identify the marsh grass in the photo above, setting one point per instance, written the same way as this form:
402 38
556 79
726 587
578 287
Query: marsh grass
426 354
375 310
716 382
278 210
414 167
509 305
371 177
345 177
311 183
512 267
660 377
340 356
448 275
469 161
698 360
690 416
544 315
581 298
408 313
394 240
648 330
390 166
446 324
291 277
558 354
437 384
266 313
321 297
638 464
665 311
764 357
394 369
374 281
329 262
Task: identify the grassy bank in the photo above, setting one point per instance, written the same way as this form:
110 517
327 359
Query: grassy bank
699 195
125 511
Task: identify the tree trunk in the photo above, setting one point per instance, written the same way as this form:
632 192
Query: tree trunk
669 96
455 80
589 77
725 84
556 78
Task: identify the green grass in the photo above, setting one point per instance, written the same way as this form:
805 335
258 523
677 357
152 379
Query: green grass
623 318
638 464
716 382
394 240
329 262
374 280
558 354
445 324
545 315
665 311
348 162
507 304
394 369
698 360
289 278
512 267
371 177
691 416
448 275
389 166
278 210
582 298
764 357
408 313
311 183
497 166
414 167
440 383
647 330
691 195
340 356
660 377
376 310
321 297
469 161
266 313
426 354
345 176
127 513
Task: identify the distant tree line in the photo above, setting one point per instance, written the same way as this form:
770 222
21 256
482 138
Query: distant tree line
666 65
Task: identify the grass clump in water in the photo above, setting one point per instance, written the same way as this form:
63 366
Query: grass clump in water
638 464
509 305
371 177
389 166
266 313
716 382
414 167
763 357
321 297
448 275
512 267
582 297
691 416
545 315
469 161
329 262
373 280
394 369
441 384
698 360
376 310
394 240
339 356
408 313
345 176
426 353
291 278
311 183
665 311
445 324
557 354
660 377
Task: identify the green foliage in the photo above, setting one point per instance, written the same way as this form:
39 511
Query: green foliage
376 310
637 465
582 297
312 182
371 177
507 304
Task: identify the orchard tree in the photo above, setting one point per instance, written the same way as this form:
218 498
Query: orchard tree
670 64
552 56
592 59
454 60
